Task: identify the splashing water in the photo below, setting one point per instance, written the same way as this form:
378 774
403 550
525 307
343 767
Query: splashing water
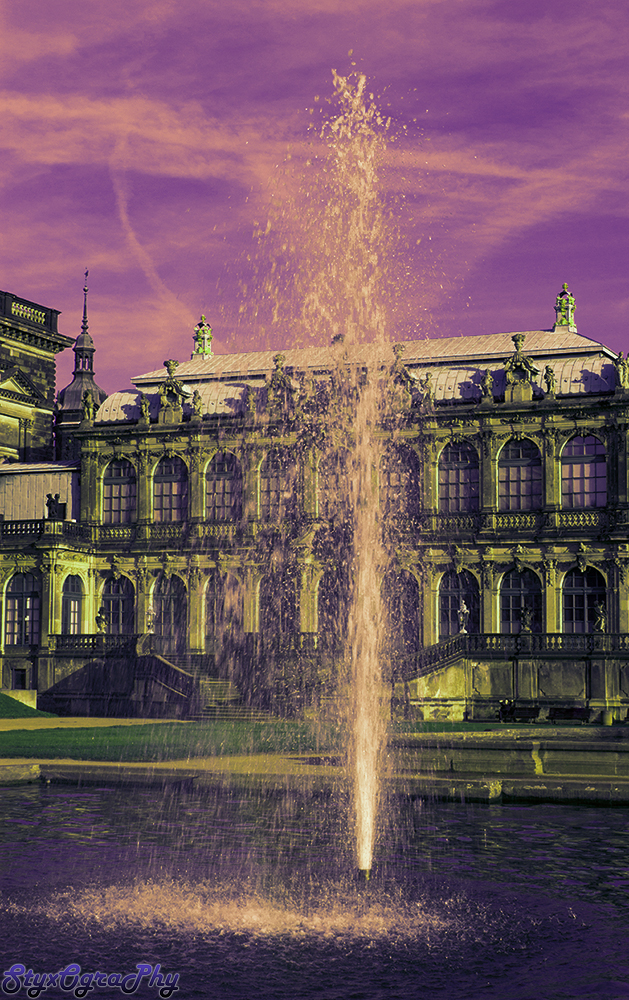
326 272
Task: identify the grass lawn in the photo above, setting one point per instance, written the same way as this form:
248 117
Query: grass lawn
11 708
166 741
177 741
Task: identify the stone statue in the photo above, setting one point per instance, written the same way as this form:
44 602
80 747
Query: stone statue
621 365
144 406
487 384
56 510
600 618
163 397
463 615
87 401
551 380
519 368
197 404
526 618
427 388
101 621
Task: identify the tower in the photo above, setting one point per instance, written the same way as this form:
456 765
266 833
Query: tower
83 396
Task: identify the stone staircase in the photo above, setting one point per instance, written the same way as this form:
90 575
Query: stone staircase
220 699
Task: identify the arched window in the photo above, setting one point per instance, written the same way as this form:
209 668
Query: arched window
584 473
170 613
520 602
332 607
278 605
458 478
582 592
170 490
400 595
223 609
459 603
118 606
223 488
22 610
276 486
333 485
71 605
119 489
520 476
399 483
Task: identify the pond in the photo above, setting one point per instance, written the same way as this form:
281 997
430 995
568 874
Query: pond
253 895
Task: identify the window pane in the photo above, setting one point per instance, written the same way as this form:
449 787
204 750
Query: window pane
119 490
458 479
223 488
584 473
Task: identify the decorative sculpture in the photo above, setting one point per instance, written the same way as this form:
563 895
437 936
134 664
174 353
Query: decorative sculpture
621 364
87 402
551 380
463 615
519 368
487 385
600 618
565 308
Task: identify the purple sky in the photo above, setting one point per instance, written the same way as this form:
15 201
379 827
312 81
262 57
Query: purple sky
143 140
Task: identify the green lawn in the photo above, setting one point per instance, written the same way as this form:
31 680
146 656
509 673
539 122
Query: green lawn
166 741
177 741
10 708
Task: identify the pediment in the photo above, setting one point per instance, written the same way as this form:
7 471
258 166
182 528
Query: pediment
17 383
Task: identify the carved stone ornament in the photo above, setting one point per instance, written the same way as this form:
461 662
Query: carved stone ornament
487 570
622 566
582 555
518 558
565 309
519 367
550 569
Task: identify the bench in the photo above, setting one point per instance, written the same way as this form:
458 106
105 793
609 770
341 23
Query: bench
510 711
569 713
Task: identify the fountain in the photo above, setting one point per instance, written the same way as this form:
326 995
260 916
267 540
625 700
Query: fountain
231 891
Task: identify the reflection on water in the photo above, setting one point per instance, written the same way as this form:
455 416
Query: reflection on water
247 895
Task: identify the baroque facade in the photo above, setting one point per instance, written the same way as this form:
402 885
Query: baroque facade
196 534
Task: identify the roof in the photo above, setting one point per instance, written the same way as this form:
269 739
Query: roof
485 349
13 468
216 398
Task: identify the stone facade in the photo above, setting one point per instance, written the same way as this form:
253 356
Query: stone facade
210 534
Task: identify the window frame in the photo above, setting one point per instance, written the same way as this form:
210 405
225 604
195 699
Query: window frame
124 512
172 507
530 492
460 503
223 512
599 458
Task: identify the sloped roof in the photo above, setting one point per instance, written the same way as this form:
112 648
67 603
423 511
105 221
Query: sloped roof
485 349
216 398
13 468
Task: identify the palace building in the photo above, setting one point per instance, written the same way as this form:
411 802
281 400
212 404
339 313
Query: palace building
172 549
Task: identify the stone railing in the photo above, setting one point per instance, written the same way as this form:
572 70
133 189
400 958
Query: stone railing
44 527
95 643
496 645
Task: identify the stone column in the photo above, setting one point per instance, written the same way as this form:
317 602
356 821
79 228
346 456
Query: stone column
144 482
551 471
490 617
488 457
310 480
552 597
250 472
196 606
196 491
251 598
